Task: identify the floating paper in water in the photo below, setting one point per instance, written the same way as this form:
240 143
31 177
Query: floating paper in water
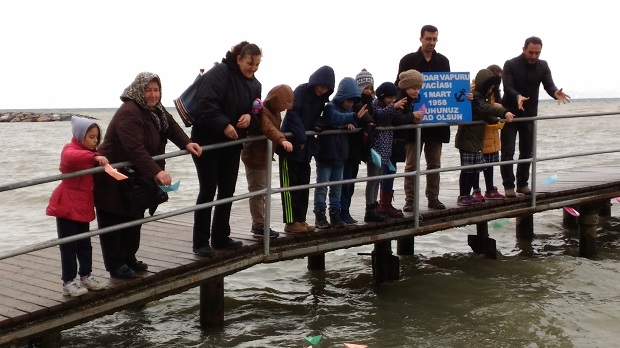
550 180
169 188
114 173
499 223
571 211
353 345
313 339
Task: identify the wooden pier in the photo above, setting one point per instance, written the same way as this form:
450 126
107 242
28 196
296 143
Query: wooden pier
31 303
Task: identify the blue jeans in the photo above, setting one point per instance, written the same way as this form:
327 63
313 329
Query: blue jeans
387 185
327 173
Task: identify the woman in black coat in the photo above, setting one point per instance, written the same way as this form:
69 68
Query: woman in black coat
225 94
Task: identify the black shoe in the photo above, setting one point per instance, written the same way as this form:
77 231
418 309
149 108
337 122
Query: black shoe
228 243
258 233
138 266
204 251
123 272
436 204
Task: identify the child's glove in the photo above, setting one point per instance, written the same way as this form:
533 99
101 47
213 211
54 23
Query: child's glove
257 106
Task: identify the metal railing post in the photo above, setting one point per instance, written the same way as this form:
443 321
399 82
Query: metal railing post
267 225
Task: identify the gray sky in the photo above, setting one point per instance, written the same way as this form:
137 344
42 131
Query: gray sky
82 54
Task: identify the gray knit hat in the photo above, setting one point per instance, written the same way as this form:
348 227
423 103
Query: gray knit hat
364 79
410 78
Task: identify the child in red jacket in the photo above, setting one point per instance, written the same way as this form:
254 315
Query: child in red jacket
72 203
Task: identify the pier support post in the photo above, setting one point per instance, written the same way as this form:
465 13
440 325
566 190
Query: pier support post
604 209
385 266
525 227
568 221
404 246
480 243
316 262
212 303
588 222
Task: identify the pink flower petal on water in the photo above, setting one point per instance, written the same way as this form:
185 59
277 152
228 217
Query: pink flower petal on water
571 211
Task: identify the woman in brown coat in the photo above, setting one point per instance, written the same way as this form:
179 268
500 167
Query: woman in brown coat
138 131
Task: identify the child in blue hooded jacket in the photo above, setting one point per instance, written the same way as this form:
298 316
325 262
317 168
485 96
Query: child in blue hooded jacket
334 150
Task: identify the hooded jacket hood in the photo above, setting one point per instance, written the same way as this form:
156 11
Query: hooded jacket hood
347 90
79 127
485 78
279 98
323 76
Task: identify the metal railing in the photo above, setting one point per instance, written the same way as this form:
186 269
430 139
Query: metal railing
270 190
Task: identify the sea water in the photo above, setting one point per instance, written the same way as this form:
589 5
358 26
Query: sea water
534 295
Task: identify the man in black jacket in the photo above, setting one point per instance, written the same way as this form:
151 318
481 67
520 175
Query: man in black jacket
425 59
522 78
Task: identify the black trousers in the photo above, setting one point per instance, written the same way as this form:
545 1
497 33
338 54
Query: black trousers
118 247
294 203
508 138
73 252
217 170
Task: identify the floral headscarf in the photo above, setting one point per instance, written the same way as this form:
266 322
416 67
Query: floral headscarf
135 92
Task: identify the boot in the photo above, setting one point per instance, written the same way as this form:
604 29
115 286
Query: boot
346 217
334 218
372 215
321 220
385 205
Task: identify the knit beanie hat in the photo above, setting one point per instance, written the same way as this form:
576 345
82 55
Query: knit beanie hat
364 79
410 78
386 89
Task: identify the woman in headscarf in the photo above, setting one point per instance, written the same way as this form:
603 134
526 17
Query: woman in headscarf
139 130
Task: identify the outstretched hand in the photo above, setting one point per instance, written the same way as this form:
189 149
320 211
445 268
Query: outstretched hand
561 96
362 111
400 104
520 100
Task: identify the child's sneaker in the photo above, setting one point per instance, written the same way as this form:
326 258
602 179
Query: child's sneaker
465 200
73 289
493 194
478 196
92 283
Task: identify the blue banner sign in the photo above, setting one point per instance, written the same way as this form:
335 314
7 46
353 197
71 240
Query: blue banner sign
444 97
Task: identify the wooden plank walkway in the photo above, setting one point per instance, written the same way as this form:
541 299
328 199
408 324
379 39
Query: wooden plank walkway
31 301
